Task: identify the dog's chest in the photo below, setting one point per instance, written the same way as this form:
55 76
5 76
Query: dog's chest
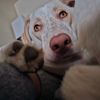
49 85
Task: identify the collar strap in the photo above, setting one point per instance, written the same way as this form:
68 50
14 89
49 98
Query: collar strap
54 74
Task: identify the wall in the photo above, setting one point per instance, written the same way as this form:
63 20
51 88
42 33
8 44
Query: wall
7 15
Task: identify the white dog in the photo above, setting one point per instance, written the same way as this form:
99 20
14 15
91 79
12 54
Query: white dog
50 24
58 25
69 31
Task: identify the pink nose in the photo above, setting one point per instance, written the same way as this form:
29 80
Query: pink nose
60 43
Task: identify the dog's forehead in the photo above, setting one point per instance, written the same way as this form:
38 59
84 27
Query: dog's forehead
47 9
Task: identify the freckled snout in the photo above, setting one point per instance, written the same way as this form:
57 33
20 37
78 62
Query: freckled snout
61 43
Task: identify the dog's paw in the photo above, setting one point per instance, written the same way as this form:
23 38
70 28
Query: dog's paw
25 57
10 49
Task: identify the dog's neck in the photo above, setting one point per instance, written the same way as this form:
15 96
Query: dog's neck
59 68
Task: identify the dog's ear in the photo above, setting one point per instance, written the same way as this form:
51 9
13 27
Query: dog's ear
25 36
70 3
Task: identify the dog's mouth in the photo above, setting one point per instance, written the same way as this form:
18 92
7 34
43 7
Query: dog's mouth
68 57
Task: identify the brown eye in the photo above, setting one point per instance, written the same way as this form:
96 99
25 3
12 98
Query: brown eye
37 27
63 14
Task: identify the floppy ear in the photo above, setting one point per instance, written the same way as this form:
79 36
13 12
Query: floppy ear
70 3
25 36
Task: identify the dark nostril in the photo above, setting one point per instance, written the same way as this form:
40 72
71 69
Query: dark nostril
30 54
67 41
55 47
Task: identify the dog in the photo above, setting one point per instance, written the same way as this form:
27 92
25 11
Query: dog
69 32
26 58
50 25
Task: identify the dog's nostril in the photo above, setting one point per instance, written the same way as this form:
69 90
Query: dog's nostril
66 42
30 54
56 46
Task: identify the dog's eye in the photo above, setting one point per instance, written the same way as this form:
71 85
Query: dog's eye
62 14
37 27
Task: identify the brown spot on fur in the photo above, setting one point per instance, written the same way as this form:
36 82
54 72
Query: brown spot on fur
16 48
70 3
30 54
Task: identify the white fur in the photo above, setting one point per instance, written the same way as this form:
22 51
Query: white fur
51 27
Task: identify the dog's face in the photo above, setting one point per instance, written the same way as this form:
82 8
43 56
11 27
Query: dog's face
52 25
26 58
